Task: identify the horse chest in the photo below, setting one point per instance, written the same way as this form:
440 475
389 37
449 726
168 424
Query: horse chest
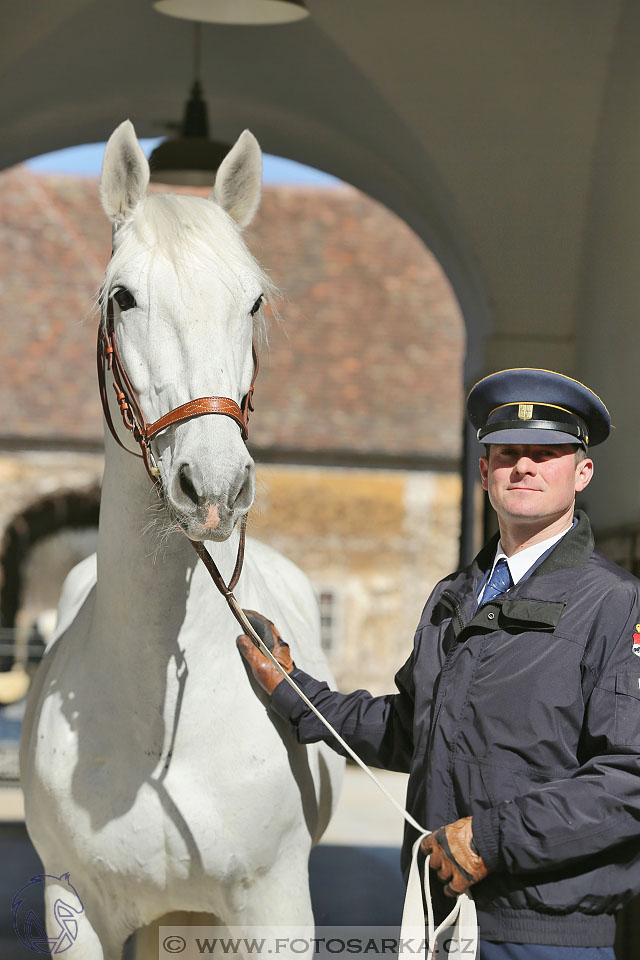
153 791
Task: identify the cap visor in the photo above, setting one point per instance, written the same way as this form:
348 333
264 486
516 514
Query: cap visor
532 435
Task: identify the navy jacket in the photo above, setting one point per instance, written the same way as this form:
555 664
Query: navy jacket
526 716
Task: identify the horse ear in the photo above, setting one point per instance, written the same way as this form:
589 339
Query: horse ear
125 174
239 180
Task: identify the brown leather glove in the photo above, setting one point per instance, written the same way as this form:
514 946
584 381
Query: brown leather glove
454 856
263 670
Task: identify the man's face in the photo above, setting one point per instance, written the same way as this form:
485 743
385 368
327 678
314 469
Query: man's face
535 482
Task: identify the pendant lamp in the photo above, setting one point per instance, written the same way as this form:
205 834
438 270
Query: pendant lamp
190 159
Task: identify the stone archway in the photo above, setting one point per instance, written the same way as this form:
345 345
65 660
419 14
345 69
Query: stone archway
51 514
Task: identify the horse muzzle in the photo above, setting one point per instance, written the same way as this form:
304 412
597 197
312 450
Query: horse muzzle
206 511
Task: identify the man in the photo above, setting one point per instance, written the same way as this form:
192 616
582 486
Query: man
517 714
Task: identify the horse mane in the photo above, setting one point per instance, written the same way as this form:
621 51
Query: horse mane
187 231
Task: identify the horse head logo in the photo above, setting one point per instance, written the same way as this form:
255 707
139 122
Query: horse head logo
29 926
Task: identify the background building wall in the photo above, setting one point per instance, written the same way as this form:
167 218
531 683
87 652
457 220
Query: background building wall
377 540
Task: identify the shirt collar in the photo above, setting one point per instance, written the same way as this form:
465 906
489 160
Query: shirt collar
520 562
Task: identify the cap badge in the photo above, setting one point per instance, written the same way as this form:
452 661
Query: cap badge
525 411
636 641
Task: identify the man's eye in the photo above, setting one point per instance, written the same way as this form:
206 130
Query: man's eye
124 299
256 306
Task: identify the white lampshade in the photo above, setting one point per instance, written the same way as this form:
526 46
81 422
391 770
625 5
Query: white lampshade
190 161
242 12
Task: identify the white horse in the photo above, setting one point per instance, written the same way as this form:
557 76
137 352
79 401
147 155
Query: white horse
154 774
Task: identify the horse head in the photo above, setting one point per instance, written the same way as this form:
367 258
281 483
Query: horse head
185 296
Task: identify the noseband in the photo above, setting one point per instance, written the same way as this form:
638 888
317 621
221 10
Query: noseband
108 358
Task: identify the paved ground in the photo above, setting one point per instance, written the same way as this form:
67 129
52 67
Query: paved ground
355 875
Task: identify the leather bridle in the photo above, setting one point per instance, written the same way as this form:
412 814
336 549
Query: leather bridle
108 359
132 415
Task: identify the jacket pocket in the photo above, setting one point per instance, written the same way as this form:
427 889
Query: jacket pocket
479 785
627 706
527 614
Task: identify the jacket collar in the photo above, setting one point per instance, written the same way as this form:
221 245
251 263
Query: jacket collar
564 563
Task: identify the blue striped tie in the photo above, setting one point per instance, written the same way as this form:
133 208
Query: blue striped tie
499 581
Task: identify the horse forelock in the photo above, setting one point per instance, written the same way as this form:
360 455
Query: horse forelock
189 233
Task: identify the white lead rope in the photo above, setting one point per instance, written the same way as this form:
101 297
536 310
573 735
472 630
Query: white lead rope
463 941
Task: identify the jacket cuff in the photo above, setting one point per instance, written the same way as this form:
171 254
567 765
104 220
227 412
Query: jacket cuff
286 702
485 827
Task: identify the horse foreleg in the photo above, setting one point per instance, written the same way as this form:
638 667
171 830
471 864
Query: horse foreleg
277 906
80 935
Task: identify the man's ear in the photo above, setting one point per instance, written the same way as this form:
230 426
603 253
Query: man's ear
483 463
584 472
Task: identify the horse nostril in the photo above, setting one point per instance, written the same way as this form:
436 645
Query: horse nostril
186 484
245 495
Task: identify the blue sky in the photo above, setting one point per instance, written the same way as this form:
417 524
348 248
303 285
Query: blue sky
86 160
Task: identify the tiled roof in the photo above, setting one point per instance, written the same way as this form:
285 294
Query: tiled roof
369 359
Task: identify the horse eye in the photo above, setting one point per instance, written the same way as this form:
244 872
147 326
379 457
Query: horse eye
256 306
124 299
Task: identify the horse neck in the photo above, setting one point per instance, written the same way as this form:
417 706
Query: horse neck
147 586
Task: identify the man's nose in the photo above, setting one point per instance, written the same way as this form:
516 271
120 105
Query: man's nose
526 465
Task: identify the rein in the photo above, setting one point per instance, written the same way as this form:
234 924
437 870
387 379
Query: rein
463 914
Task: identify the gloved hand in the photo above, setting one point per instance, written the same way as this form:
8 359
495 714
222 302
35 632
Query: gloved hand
263 670
454 856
